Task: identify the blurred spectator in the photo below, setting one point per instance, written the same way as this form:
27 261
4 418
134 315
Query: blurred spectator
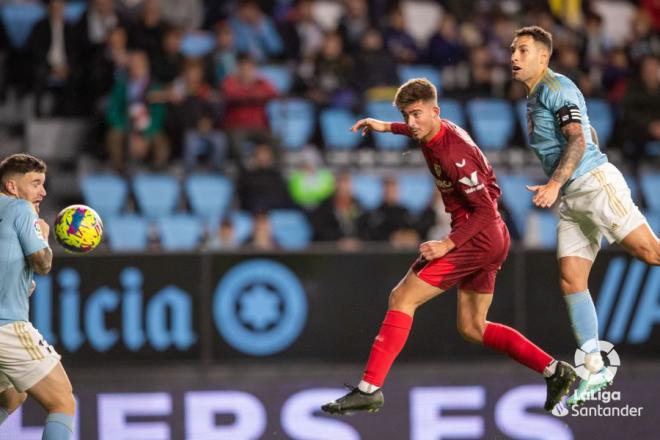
568 63
353 24
255 33
481 73
184 14
222 61
641 110
434 222
595 44
310 184
339 218
54 51
245 94
168 62
375 70
329 79
110 65
445 47
262 234
261 186
192 108
147 33
224 238
645 40
398 42
134 119
100 18
301 34
390 221
616 74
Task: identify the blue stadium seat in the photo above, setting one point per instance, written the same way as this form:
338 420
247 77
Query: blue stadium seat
492 122
292 121
541 230
653 148
127 233
415 191
521 114
335 125
654 221
180 232
291 229
650 184
279 76
517 198
632 184
452 110
209 195
421 71
385 111
157 194
106 193
19 19
197 44
73 11
243 226
368 190
601 119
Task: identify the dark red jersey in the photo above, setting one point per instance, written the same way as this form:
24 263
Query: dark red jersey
464 178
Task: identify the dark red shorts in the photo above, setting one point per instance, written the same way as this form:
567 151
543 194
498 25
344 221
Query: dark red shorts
473 266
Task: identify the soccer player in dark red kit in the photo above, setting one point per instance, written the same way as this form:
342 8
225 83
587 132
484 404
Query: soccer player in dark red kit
470 256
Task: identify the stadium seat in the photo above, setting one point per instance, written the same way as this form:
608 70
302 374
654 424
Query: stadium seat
385 111
292 121
650 184
180 232
243 226
209 195
335 125
157 194
197 44
415 191
541 230
452 110
421 71
73 11
105 193
279 76
654 221
492 122
652 148
19 19
601 119
291 229
127 233
368 190
517 198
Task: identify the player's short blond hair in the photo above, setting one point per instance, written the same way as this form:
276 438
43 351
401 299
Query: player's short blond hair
416 89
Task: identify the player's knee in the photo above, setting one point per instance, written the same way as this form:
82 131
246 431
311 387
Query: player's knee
470 330
569 284
17 399
398 300
64 403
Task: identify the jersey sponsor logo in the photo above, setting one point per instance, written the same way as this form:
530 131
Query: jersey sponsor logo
472 182
460 164
444 185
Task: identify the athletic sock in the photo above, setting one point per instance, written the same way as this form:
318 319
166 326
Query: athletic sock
584 321
386 347
507 340
550 369
3 415
59 426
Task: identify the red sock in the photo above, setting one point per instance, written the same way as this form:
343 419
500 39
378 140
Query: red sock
507 340
387 346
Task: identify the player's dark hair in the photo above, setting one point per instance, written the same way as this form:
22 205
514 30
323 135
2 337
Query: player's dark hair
21 163
416 89
538 34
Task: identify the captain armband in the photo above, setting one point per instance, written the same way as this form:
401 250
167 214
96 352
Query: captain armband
568 114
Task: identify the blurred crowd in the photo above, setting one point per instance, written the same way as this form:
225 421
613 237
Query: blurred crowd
121 63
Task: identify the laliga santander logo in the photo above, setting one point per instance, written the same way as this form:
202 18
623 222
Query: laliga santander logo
588 360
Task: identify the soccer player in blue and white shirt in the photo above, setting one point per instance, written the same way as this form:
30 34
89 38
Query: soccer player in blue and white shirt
28 364
595 200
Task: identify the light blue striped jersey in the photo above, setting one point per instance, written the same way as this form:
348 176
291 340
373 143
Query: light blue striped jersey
19 237
556 100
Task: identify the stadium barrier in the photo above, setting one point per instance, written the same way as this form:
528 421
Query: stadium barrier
211 309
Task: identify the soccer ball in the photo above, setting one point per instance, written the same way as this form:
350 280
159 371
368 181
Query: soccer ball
78 228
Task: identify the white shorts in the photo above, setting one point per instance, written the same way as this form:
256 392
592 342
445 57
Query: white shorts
25 356
594 205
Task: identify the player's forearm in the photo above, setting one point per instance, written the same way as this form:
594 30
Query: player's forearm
572 154
479 219
42 261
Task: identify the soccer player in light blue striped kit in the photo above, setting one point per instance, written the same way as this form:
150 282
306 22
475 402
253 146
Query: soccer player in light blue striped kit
595 199
28 364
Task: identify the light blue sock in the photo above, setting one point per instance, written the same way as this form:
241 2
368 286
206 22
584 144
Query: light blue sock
584 320
59 426
3 415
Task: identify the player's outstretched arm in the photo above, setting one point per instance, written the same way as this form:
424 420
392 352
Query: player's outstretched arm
371 124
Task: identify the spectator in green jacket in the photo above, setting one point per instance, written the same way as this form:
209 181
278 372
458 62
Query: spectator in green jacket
310 184
135 117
